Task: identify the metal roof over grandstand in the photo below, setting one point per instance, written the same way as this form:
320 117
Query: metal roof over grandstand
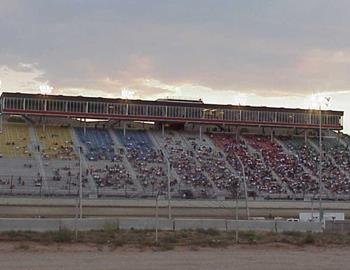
183 111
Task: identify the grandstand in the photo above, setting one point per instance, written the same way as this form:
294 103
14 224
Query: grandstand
136 148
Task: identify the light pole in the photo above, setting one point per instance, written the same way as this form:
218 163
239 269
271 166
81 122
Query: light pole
80 187
169 195
326 101
320 168
235 191
157 221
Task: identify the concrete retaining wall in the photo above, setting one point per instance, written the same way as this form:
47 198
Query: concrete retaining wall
7 224
338 226
186 224
251 225
145 223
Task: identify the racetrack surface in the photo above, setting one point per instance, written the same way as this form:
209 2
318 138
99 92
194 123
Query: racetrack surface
262 257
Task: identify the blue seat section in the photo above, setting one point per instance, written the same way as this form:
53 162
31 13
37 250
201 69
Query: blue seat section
98 143
135 138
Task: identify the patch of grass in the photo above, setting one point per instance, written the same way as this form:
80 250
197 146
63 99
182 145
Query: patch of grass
169 238
308 239
113 237
253 237
61 236
110 227
11 234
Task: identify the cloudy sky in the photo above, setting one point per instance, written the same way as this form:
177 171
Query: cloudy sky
262 52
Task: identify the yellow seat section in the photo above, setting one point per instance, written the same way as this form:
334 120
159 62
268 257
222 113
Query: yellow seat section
14 140
56 142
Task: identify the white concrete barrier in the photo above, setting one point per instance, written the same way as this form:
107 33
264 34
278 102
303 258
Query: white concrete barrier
185 224
145 223
24 224
289 226
251 225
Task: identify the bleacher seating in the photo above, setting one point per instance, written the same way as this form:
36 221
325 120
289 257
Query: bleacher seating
14 141
287 167
136 164
98 142
259 177
183 160
334 175
146 159
57 142
213 163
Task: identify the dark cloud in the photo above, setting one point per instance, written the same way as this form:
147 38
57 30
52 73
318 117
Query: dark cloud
266 47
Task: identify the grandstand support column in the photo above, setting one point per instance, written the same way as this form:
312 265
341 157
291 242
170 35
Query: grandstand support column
200 133
124 129
163 130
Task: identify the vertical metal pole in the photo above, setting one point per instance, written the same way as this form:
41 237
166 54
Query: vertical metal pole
1 123
124 129
320 170
80 187
84 126
169 193
163 130
245 188
76 218
157 218
245 194
200 133
312 208
236 216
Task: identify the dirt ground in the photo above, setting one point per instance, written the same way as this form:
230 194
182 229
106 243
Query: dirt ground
29 256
